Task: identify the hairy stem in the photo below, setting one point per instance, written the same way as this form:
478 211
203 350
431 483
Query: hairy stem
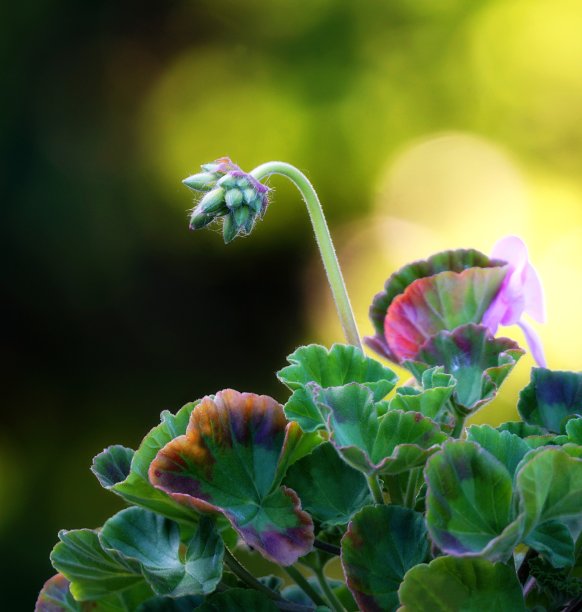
376 489
324 242
302 583
243 574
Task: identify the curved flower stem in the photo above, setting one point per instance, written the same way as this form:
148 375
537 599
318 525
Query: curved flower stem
375 489
302 583
324 242
331 596
243 574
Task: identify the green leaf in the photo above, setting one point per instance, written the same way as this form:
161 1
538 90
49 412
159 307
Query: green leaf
112 465
55 596
521 429
506 447
238 600
553 541
381 544
431 400
94 572
335 367
442 302
154 542
229 462
478 361
391 444
450 584
551 397
330 490
549 482
136 488
469 502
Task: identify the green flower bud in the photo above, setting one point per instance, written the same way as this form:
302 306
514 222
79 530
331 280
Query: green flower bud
203 181
241 216
200 220
227 181
233 198
213 201
249 195
229 229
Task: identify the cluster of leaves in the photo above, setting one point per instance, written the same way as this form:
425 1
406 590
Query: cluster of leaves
424 515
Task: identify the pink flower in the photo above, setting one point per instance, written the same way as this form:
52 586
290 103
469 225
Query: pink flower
521 293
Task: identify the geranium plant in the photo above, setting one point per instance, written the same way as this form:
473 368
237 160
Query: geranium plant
424 513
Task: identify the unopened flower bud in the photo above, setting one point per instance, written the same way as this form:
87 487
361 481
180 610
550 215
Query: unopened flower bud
233 198
229 230
213 201
200 220
203 181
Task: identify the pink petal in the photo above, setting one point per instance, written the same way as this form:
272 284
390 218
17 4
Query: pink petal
534 294
534 343
512 250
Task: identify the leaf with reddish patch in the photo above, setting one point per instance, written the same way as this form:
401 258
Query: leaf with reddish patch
441 302
478 361
551 397
228 462
381 544
451 261
55 596
373 444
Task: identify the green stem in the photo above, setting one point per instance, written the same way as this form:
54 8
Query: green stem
302 583
394 491
324 242
411 487
334 602
376 489
459 426
241 572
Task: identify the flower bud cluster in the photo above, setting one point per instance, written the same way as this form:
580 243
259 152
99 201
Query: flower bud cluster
229 193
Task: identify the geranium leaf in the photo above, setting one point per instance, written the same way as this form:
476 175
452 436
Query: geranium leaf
551 397
506 447
442 302
431 399
330 490
171 604
549 483
112 465
335 367
553 541
154 542
94 572
450 584
228 462
381 544
55 596
136 488
391 444
478 361
469 502
238 600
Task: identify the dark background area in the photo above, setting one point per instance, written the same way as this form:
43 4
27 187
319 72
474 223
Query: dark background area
114 311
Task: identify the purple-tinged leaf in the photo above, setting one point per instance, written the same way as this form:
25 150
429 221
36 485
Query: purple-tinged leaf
381 544
478 361
228 462
550 398
55 596
112 465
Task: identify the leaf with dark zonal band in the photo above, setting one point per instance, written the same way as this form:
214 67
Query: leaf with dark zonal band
55 596
229 462
550 398
330 490
134 486
451 261
431 399
391 444
381 544
154 542
469 502
335 367
478 361
450 584
442 302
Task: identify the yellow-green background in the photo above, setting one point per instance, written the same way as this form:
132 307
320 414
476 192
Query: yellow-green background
424 124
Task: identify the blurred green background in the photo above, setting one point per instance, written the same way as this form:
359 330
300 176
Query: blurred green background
424 125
